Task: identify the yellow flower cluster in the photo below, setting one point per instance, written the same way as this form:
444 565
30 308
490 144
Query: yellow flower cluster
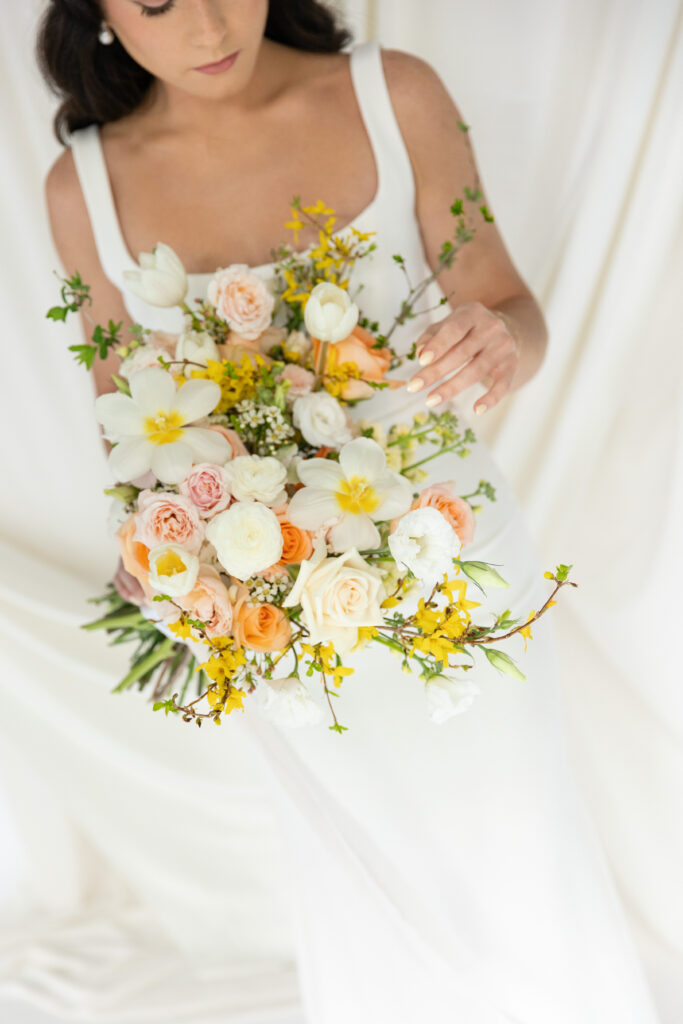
324 653
441 627
236 382
328 258
221 667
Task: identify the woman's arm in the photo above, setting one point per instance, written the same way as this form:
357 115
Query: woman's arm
482 280
75 245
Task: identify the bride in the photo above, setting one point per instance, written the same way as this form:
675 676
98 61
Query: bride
434 872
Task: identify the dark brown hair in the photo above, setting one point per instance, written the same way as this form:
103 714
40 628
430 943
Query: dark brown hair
97 83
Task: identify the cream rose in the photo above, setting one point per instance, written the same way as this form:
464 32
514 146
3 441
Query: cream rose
257 478
337 595
321 420
247 538
242 299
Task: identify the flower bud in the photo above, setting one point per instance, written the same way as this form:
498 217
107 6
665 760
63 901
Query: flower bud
483 574
503 663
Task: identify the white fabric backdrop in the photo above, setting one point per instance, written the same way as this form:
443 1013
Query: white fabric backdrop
575 115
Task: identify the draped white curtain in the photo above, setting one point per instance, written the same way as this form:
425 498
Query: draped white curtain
575 114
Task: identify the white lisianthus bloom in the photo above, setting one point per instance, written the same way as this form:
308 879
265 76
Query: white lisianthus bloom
288 702
247 538
172 569
353 492
257 478
424 542
337 595
161 279
330 315
151 429
447 697
197 346
321 420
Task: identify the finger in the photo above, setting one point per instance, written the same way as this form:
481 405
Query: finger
465 378
449 333
487 401
451 360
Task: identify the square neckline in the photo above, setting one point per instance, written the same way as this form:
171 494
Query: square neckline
205 276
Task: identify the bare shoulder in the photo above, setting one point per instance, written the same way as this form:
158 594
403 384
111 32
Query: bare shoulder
68 214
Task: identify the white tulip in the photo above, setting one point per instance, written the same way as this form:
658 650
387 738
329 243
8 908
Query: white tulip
330 315
151 426
198 347
172 569
161 279
424 542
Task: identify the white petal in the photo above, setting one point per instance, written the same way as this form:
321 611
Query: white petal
323 473
398 496
167 259
354 531
207 445
197 398
153 390
346 324
172 462
119 415
310 507
130 458
362 457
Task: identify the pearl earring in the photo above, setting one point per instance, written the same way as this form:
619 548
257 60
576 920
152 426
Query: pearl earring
105 35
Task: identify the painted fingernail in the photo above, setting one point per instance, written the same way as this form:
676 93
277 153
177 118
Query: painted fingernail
425 358
480 408
415 384
433 400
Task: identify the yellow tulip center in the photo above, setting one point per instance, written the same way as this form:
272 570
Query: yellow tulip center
170 564
357 496
164 427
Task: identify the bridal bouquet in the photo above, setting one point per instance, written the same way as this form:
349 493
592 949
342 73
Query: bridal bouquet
265 533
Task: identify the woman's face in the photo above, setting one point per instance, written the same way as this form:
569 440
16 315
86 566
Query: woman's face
173 38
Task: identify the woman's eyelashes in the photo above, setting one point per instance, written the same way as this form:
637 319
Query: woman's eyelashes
151 11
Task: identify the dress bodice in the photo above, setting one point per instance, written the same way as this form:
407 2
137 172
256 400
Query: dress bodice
378 284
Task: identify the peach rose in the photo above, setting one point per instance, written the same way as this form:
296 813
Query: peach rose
457 512
300 380
373 363
232 437
163 339
262 343
167 518
209 600
208 488
261 627
134 555
296 543
242 299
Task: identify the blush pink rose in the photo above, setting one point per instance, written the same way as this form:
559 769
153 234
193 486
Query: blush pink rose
236 443
300 380
209 601
208 488
242 299
166 518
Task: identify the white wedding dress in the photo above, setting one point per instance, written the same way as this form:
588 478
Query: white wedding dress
434 873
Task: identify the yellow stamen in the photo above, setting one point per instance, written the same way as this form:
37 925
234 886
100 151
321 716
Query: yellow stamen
170 564
164 427
356 496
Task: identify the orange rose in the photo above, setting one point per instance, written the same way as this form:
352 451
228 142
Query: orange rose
457 511
357 348
296 543
262 627
134 555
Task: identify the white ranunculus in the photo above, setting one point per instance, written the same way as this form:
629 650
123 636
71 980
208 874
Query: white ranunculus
353 493
424 542
337 595
151 426
447 697
247 538
321 420
330 315
288 702
257 478
172 569
160 280
198 347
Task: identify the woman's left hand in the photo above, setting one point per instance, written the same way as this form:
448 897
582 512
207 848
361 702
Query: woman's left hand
473 335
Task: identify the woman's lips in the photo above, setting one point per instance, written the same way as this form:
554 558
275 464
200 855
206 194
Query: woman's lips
218 66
